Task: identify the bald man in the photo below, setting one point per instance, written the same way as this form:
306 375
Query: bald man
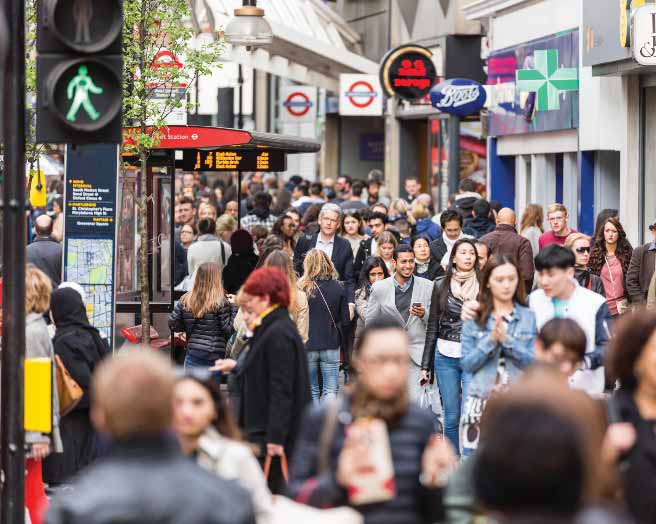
45 252
505 240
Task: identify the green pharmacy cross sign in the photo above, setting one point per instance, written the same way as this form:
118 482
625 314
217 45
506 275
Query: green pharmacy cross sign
547 80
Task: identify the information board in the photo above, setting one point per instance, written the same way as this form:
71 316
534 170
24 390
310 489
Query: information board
233 160
90 229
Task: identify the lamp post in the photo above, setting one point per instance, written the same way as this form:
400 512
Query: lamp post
248 27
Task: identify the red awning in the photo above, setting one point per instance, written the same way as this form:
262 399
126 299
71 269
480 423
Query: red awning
199 137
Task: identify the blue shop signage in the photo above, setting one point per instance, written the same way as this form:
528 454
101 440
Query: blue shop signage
458 96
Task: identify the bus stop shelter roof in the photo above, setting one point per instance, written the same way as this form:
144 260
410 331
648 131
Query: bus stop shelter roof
201 137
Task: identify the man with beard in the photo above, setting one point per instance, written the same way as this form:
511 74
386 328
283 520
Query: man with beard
331 452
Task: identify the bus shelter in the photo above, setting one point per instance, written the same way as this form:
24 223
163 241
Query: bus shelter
219 153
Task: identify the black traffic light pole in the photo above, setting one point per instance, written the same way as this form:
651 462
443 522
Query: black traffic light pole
12 505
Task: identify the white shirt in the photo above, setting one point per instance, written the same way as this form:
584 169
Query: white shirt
326 247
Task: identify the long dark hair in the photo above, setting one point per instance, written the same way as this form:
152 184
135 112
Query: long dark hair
623 252
369 264
451 268
485 298
277 231
224 422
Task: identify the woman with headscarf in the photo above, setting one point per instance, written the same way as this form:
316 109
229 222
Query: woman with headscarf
241 263
80 348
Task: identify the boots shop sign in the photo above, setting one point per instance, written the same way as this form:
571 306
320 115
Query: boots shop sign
458 96
644 35
408 72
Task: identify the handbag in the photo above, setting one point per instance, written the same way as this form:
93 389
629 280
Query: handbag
68 391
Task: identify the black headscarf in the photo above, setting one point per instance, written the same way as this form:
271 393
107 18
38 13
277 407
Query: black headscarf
69 313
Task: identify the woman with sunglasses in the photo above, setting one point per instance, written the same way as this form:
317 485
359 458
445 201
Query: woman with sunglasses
580 245
207 432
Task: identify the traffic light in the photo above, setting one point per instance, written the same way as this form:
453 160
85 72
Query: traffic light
79 71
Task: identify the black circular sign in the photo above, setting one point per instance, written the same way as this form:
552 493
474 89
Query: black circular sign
408 72
86 26
85 94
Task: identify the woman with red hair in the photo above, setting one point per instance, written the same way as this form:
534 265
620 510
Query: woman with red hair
273 372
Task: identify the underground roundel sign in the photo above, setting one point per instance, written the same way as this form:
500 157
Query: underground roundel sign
360 95
408 72
297 104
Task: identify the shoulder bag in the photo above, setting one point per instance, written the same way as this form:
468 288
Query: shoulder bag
339 331
68 391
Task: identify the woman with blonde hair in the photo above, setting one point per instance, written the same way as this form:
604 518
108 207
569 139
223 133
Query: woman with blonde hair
38 345
532 225
581 245
205 316
385 249
398 210
298 302
329 319
226 225
420 220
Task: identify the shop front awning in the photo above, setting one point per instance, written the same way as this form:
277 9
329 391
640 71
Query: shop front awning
311 44
202 137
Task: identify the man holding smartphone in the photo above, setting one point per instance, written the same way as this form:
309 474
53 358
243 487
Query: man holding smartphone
407 298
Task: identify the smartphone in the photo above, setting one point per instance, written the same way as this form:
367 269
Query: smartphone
417 304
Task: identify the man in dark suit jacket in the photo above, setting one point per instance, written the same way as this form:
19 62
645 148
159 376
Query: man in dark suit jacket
641 269
338 249
45 252
368 247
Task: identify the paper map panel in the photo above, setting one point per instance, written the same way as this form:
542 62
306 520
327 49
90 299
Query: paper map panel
90 263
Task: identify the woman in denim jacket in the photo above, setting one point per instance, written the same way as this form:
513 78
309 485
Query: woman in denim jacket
498 344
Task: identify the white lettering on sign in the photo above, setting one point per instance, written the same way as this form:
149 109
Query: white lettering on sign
456 96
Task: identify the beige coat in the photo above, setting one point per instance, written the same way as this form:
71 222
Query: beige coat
234 460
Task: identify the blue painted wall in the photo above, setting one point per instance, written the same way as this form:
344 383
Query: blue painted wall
586 193
502 176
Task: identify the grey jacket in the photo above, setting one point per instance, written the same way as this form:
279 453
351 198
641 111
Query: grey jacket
382 302
39 345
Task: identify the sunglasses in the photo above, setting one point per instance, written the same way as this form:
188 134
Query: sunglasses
585 249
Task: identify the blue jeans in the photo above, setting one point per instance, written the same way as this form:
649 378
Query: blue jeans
452 382
194 361
328 362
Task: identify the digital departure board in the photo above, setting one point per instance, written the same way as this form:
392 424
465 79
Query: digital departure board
233 160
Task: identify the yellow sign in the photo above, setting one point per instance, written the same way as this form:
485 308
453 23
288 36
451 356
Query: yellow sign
38 190
38 395
233 160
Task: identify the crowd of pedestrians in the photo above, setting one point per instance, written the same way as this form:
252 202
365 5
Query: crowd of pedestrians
410 365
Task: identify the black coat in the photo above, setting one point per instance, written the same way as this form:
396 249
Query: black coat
639 473
408 439
237 270
275 383
364 252
46 254
442 323
590 281
80 348
478 226
434 270
342 259
149 480
206 337
323 334
438 249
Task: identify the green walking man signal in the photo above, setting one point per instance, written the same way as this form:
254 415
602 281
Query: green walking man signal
80 89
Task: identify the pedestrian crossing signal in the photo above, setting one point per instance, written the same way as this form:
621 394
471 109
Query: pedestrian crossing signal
79 71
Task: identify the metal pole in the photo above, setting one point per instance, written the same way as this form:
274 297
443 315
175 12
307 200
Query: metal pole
238 199
240 82
454 154
12 505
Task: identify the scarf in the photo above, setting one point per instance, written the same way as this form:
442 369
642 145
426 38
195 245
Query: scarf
464 285
422 267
